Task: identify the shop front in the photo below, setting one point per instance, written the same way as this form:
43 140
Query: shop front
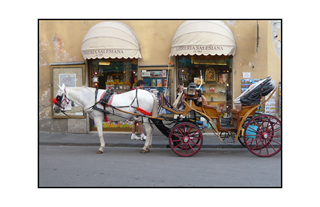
207 46
112 50
163 53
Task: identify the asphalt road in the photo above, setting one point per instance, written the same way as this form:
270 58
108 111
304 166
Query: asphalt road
80 166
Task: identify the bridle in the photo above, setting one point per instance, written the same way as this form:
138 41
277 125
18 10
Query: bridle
61 99
65 99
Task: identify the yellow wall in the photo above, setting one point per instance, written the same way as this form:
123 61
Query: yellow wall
60 41
261 62
155 38
248 58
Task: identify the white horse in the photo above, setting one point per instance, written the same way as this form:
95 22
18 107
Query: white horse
85 97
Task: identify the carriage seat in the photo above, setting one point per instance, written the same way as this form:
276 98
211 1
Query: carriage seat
241 112
206 105
238 114
211 110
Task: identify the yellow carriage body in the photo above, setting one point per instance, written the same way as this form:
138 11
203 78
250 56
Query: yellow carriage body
212 113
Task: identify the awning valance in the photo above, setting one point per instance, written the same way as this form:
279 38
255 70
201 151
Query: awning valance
203 37
110 39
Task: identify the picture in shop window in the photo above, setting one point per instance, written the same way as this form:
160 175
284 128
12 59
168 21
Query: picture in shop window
223 78
210 75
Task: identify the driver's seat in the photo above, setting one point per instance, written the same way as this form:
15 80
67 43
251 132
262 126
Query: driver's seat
211 111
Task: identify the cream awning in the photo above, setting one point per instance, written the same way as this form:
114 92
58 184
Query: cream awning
203 37
110 39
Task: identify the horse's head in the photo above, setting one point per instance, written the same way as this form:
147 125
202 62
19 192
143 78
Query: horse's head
61 101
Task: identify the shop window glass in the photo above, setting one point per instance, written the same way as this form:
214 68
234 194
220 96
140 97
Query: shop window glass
217 77
119 74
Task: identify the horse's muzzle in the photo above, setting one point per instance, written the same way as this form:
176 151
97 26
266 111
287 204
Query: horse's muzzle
56 109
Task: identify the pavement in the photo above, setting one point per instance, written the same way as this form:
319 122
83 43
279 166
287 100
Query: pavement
123 140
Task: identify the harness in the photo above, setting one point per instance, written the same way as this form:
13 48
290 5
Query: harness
106 101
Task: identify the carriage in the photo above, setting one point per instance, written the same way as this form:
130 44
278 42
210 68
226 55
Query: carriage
260 133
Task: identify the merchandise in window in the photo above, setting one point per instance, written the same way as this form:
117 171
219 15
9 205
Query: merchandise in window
119 75
217 78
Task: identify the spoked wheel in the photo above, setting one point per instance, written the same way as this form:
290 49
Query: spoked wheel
185 139
262 135
241 137
242 142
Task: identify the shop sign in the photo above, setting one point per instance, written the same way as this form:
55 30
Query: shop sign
102 52
199 48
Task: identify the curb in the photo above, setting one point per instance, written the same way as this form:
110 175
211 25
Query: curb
223 146
56 139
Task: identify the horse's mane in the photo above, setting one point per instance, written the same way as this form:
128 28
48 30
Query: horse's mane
74 93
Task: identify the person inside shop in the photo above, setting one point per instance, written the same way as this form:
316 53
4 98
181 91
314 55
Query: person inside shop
179 102
138 119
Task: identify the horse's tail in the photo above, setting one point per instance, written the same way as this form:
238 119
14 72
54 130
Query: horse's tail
155 106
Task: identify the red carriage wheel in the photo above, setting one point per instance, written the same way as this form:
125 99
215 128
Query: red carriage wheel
262 135
241 140
185 139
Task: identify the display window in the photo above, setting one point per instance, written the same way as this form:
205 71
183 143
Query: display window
216 74
158 81
120 75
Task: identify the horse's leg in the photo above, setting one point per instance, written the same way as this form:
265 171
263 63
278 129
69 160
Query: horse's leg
150 133
151 136
98 122
148 142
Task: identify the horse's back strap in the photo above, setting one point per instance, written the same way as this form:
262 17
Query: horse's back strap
106 97
144 111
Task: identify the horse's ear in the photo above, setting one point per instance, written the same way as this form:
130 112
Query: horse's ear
61 88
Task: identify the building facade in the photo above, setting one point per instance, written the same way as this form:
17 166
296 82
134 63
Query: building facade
164 53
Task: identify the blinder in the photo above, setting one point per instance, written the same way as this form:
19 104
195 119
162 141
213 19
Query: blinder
59 98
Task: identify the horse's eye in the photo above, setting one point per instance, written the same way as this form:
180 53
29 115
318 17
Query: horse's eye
59 98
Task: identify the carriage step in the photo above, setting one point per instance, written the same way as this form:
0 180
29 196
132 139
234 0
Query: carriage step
164 118
229 127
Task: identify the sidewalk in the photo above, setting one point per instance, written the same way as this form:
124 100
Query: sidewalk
123 140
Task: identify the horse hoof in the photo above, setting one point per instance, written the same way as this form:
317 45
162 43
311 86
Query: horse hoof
99 152
144 151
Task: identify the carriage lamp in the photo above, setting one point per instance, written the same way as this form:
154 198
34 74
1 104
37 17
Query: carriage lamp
95 79
191 90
